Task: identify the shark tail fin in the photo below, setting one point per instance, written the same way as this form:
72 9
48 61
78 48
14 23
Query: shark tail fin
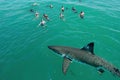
112 69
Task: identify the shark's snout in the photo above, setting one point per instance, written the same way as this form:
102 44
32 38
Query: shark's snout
50 47
54 48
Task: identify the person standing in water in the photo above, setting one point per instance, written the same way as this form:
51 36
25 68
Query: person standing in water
62 9
51 6
36 14
74 10
31 10
46 16
42 23
82 14
61 16
35 4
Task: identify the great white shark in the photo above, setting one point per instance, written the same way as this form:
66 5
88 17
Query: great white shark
85 55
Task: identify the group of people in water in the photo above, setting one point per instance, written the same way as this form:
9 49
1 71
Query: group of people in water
61 15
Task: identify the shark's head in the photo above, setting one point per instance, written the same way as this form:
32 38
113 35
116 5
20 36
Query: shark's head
58 49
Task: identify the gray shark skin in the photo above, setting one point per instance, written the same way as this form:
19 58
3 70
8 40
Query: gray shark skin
85 55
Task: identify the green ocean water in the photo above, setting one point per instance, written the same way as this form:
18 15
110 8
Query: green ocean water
24 54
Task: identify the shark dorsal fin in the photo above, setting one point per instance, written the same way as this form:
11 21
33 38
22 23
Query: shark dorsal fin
65 65
89 47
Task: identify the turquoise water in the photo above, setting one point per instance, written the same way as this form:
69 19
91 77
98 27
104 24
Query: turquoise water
24 54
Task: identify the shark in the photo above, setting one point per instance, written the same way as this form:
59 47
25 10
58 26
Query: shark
85 55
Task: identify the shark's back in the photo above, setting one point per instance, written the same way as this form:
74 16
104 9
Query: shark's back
85 57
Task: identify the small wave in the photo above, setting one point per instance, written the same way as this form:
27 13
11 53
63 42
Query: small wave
114 39
111 29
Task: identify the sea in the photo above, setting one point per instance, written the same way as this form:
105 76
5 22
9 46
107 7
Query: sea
24 52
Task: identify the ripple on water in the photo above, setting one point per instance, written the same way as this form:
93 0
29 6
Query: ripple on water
111 29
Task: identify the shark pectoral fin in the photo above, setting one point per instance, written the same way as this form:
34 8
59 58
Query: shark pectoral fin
89 47
101 71
65 65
